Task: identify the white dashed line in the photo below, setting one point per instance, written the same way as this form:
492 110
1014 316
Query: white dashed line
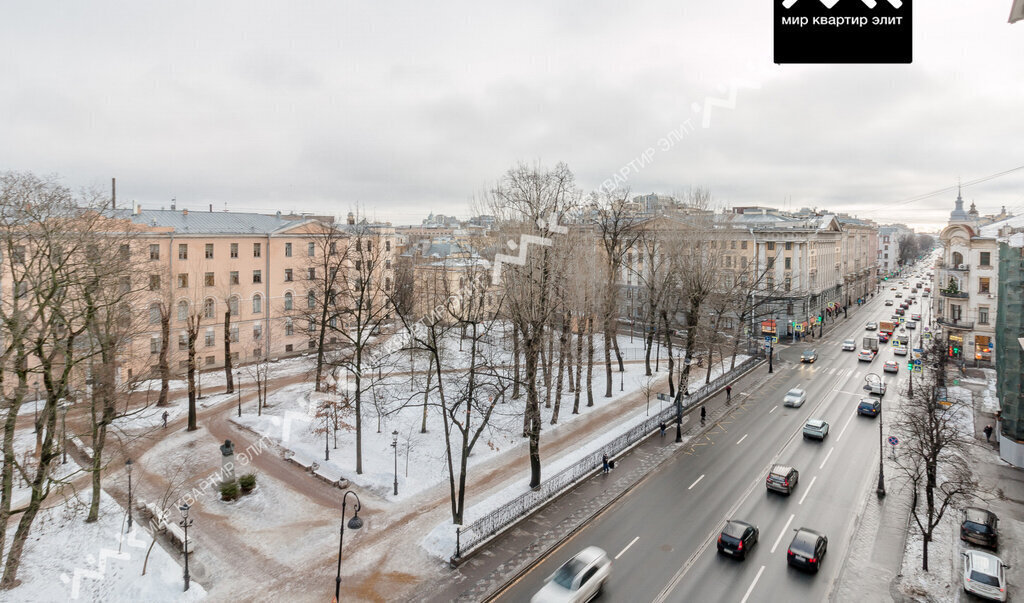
631 542
773 409
845 426
808 490
785 529
826 457
751 588
696 482
743 438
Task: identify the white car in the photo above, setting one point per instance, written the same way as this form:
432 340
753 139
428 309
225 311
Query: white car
849 345
984 576
866 355
871 326
579 579
795 397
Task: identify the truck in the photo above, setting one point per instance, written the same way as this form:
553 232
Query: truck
869 349
887 326
899 345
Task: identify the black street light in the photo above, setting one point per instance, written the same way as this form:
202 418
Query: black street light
238 386
394 444
353 524
880 490
185 523
771 352
128 465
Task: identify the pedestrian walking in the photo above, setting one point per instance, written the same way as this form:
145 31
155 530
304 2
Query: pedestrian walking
728 394
703 415
662 426
165 415
604 464
988 433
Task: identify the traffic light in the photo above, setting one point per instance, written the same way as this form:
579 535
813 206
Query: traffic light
910 365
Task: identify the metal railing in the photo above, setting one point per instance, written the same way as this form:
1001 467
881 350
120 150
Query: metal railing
956 324
474 535
956 294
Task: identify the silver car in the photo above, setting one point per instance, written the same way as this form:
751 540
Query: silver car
815 428
795 397
849 345
984 576
579 579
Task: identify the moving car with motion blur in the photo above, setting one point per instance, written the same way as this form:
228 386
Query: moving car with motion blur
795 398
579 579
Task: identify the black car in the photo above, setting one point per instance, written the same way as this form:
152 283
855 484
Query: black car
737 538
809 356
981 527
807 549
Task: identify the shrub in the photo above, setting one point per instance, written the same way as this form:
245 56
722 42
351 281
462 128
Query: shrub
229 491
247 482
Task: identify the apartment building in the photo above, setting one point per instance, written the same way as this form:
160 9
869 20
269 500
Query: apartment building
890 238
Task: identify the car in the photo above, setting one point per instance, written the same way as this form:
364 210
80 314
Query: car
849 345
883 337
815 428
888 302
925 294
892 288
579 579
871 326
899 295
807 549
809 356
795 397
981 527
915 317
866 355
737 538
782 478
901 311
891 366
984 576
869 407
911 325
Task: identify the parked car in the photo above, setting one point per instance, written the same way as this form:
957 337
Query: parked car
795 397
782 478
579 579
807 549
849 345
869 407
911 325
915 317
809 356
737 538
891 366
981 527
871 326
925 294
815 428
984 575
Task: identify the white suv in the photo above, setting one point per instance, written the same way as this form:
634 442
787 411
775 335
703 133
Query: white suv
983 575
849 345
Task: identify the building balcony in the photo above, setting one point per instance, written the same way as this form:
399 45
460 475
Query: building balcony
957 295
956 267
955 324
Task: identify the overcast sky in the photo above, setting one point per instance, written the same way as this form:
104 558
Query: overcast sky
406 107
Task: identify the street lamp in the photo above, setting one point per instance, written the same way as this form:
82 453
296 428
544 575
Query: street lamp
238 385
394 444
185 523
880 490
128 466
353 524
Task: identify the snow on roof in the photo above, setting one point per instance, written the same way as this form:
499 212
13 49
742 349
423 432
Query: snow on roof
992 230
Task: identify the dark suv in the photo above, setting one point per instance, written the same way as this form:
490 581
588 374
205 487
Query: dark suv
981 527
807 549
737 538
782 478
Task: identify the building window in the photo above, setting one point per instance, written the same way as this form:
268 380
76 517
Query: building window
183 341
369 245
287 250
771 262
154 344
234 250
334 248
257 276
789 245
154 282
209 251
743 262
789 263
257 304
983 285
387 245
387 283
288 347
210 360
233 306
288 301
769 283
312 344
182 310
256 247
955 312
311 249
788 283
311 299
183 280
234 333
126 284
983 315
771 245
209 308
208 279
154 252
359 264
287 275
311 274
743 244
211 338
182 251
986 259
154 313
387 264
288 328
257 331
233 277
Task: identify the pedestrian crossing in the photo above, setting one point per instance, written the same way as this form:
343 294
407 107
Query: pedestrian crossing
838 372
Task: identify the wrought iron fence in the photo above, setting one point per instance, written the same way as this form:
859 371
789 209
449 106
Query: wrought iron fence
475 534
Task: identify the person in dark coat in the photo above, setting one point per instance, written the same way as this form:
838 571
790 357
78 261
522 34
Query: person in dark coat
604 464
703 415
988 433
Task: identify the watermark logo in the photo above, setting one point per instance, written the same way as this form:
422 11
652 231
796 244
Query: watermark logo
843 31
523 247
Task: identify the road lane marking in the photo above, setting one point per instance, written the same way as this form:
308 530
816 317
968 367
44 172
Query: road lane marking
826 457
696 482
808 490
743 438
627 547
773 409
785 529
752 584
845 426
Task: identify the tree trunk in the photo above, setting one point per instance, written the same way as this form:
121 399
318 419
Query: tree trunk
228 376
165 349
590 361
426 395
192 334
647 351
571 383
531 345
607 361
668 348
579 367
359 414
515 365
618 354
561 369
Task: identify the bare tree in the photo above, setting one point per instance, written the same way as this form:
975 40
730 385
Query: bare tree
327 253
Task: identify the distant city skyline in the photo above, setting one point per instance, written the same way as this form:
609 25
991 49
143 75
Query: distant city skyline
402 109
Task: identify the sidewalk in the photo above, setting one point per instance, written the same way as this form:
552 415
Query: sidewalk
516 550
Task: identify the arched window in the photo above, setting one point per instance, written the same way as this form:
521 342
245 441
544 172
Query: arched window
182 310
288 301
209 308
257 304
958 258
311 299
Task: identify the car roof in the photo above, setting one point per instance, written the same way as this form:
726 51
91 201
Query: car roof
815 422
984 562
781 469
795 390
978 515
848 341
805 539
735 528
870 401
590 554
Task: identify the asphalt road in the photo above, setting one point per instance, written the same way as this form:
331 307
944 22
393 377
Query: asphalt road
662 534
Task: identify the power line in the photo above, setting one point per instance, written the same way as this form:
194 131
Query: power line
950 189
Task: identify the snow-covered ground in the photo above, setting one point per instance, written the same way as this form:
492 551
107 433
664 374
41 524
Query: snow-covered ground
66 559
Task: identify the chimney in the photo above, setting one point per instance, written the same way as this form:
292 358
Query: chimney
172 204
211 208
138 209
113 193
184 212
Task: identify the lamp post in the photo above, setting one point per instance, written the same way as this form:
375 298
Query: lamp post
128 465
353 524
394 444
185 523
880 490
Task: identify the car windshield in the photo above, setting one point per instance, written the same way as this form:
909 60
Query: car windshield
803 544
983 578
565 574
814 423
734 530
976 527
794 393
